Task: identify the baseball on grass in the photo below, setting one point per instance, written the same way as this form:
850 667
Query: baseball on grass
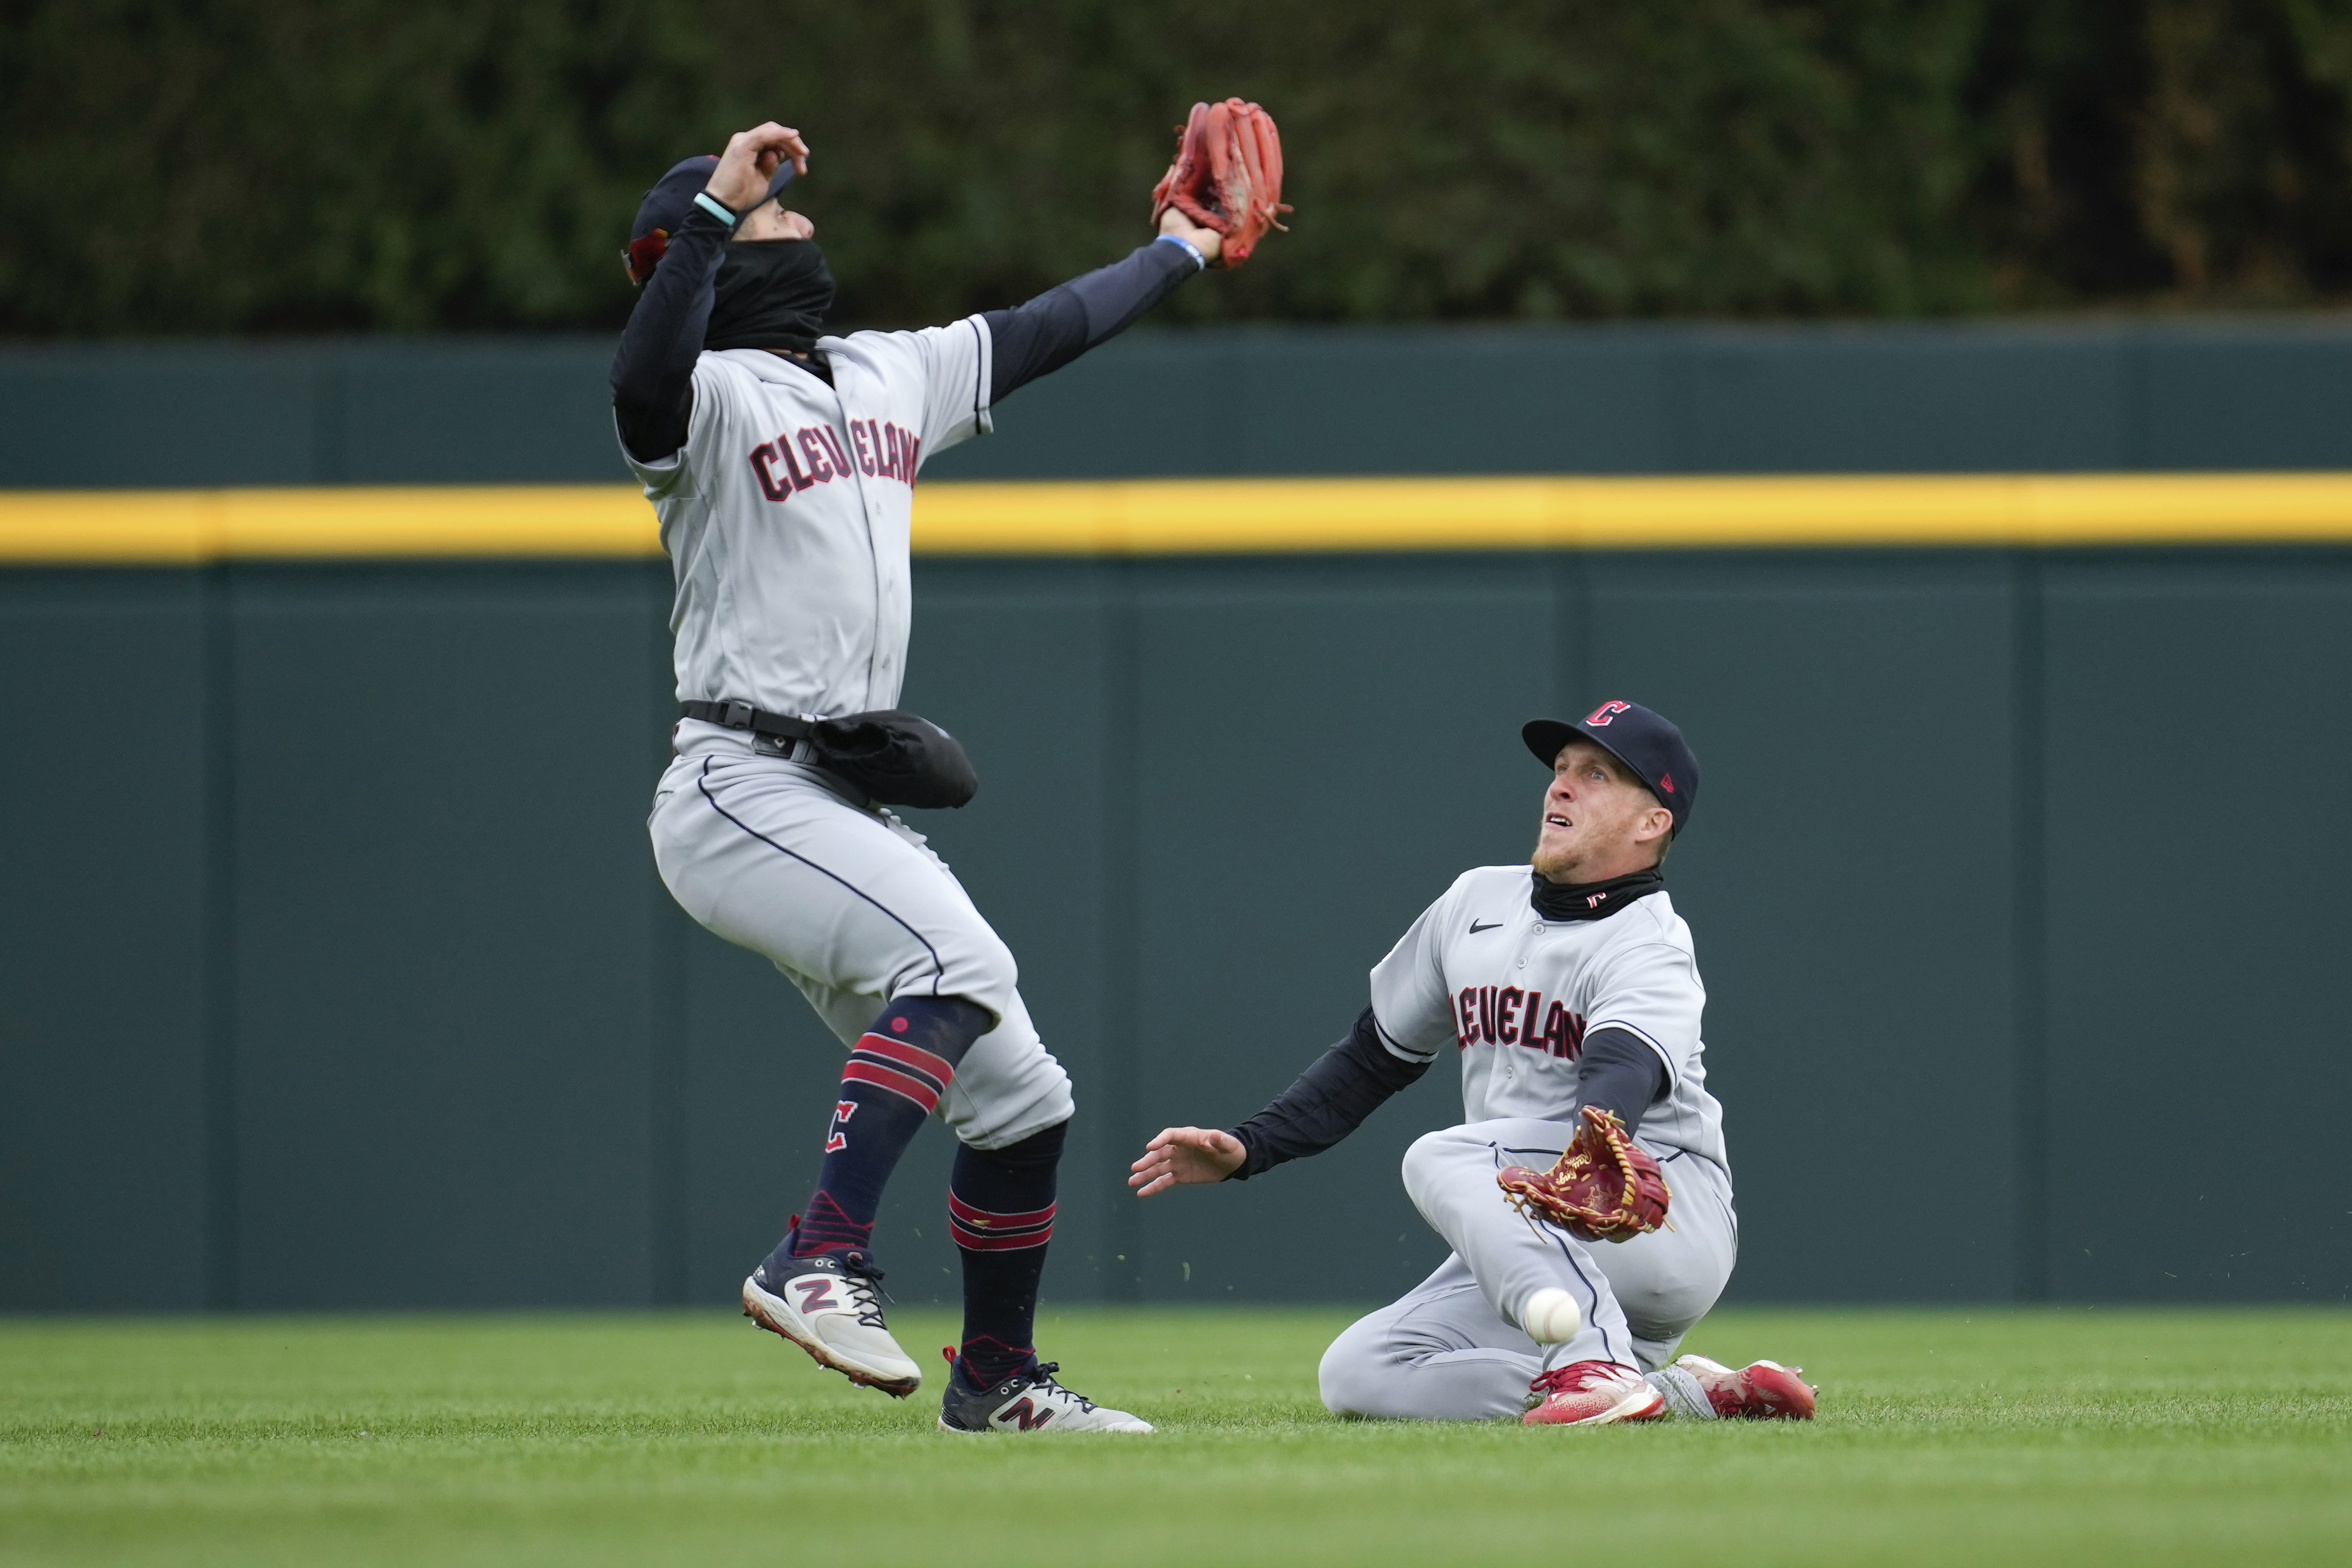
1550 1316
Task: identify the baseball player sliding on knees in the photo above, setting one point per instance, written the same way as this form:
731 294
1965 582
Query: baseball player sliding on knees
781 462
1585 1193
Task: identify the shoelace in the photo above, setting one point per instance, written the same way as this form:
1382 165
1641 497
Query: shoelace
1044 1379
863 1284
1038 1378
1573 1377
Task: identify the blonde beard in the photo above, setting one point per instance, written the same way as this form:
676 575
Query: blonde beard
1552 873
1547 871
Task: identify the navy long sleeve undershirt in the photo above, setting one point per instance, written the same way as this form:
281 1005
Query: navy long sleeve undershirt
1622 1074
653 371
653 374
1049 331
1353 1079
1328 1102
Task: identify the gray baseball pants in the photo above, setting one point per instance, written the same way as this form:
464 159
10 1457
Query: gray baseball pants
1452 1349
855 910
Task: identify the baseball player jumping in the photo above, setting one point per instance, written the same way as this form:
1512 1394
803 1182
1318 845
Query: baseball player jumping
782 464
1570 992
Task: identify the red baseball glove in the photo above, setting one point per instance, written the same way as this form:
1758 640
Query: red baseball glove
1227 176
1602 1188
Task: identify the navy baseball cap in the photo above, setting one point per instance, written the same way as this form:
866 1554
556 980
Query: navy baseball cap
1645 741
667 204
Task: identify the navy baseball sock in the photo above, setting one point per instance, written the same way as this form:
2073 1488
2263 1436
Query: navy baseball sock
897 1072
1000 1213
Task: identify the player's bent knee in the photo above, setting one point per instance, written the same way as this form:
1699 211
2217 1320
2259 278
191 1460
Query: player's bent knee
1348 1375
987 954
983 972
1367 1375
1009 1088
1427 1161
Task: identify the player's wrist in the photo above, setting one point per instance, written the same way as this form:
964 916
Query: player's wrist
1200 262
713 208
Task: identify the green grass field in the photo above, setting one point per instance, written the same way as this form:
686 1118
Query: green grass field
2075 1436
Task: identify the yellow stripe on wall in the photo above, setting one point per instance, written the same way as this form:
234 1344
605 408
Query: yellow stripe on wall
1201 517
1196 516
187 527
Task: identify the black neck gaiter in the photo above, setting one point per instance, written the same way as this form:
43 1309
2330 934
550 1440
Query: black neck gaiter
1592 900
770 294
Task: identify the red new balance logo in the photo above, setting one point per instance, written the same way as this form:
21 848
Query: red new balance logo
816 1295
1023 1414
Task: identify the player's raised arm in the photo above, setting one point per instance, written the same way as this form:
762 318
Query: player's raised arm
1218 198
1049 331
676 258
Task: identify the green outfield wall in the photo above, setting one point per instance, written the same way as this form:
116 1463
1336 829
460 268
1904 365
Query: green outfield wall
336 973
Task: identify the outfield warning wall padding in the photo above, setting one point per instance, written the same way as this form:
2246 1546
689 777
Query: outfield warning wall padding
337 973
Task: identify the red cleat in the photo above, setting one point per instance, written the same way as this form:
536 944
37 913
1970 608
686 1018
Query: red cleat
1592 1394
1760 1391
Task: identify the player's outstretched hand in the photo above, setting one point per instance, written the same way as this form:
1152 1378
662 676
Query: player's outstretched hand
1208 241
750 161
1181 1156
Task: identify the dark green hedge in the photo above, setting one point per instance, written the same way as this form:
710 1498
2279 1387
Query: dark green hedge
243 165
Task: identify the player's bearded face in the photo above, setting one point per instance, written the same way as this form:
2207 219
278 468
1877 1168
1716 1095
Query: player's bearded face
1592 816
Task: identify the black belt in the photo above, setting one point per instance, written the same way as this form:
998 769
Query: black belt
743 716
772 734
895 759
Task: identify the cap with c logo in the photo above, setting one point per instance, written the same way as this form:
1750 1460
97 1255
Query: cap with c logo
666 206
1644 741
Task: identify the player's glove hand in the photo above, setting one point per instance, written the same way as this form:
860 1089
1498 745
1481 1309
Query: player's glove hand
1227 176
1602 1188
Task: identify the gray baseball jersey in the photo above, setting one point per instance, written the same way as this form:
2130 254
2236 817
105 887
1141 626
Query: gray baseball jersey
787 514
1516 994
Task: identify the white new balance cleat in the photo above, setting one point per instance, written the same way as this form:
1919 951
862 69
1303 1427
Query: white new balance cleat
1028 1401
831 1309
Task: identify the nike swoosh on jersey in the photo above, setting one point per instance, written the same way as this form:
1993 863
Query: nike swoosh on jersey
1490 926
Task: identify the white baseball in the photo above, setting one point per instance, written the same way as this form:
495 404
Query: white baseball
1550 1316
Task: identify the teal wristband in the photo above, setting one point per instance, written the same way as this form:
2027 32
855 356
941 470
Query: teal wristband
712 204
